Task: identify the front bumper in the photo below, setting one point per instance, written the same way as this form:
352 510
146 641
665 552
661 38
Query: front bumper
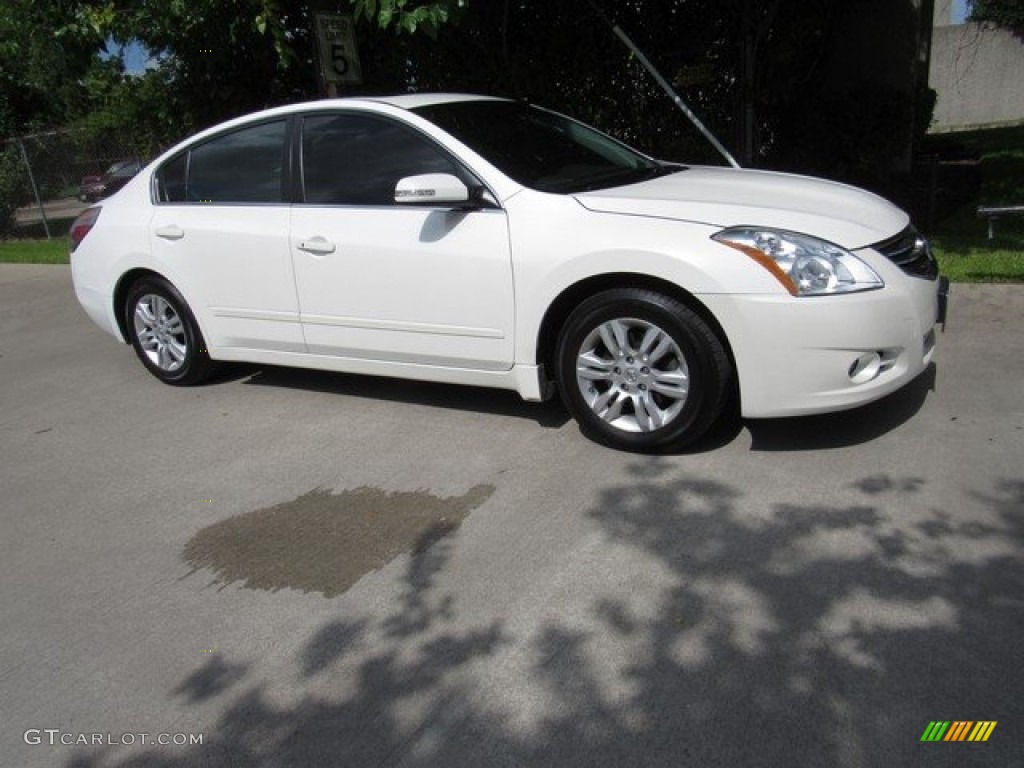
942 300
797 356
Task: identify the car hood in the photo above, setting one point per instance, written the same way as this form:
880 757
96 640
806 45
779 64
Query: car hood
725 197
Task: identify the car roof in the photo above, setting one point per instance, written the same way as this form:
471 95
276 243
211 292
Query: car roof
404 101
414 100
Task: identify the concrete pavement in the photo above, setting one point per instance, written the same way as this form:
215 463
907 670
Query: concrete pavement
306 569
64 208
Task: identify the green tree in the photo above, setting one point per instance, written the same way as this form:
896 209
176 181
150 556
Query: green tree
1008 14
219 58
13 186
428 17
132 114
222 58
762 76
46 46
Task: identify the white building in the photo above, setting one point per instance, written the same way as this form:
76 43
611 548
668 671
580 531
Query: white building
977 70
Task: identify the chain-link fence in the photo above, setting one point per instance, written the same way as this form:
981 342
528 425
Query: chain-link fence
48 178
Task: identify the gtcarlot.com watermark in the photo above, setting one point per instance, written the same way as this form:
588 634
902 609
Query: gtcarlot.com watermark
56 737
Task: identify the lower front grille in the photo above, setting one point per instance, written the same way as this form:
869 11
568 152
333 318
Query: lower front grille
910 252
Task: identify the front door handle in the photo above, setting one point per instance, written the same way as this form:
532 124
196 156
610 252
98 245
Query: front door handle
316 245
171 232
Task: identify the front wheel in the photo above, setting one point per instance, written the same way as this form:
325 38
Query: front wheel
164 333
639 370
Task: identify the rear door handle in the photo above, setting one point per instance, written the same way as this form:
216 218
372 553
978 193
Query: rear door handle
317 245
171 232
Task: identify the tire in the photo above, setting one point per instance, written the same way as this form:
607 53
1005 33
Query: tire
640 371
164 333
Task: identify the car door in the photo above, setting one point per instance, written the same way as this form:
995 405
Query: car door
220 230
395 283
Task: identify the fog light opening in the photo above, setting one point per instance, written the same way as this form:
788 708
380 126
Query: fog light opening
865 368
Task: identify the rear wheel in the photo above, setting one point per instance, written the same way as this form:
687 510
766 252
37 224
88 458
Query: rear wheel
639 370
164 333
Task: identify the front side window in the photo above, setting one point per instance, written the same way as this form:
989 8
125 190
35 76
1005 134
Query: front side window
350 159
243 166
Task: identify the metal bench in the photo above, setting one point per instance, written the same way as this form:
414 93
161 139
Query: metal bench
994 212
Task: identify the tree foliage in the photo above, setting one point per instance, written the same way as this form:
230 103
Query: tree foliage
12 185
220 58
46 47
815 106
770 65
406 16
1008 14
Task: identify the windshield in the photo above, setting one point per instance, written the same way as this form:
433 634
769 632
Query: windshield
123 168
540 149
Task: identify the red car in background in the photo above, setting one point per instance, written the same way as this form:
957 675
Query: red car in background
95 188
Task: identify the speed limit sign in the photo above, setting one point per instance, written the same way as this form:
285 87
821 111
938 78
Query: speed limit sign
336 43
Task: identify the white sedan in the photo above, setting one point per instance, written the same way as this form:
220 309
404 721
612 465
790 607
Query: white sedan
487 242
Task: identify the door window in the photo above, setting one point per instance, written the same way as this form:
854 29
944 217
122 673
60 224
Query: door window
243 166
352 159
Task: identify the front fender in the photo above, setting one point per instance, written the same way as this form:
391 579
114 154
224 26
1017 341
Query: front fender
580 244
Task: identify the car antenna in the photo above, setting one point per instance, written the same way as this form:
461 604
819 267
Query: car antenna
665 85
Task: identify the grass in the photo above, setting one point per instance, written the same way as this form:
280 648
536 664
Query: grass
980 143
966 255
54 251
965 262
961 242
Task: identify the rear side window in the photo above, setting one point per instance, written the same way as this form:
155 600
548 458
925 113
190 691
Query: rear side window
170 180
244 166
352 159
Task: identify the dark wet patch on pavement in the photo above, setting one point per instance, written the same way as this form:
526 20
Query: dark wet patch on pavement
324 542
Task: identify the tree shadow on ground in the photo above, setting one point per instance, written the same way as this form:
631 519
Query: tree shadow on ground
786 635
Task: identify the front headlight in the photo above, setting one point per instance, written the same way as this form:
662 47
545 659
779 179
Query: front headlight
805 265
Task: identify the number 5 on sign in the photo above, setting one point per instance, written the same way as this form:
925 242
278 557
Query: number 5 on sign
339 62
336 44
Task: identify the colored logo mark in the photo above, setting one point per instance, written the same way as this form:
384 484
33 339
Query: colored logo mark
958 730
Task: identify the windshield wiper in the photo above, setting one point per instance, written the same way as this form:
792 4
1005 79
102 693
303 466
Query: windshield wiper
622 176
664 169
